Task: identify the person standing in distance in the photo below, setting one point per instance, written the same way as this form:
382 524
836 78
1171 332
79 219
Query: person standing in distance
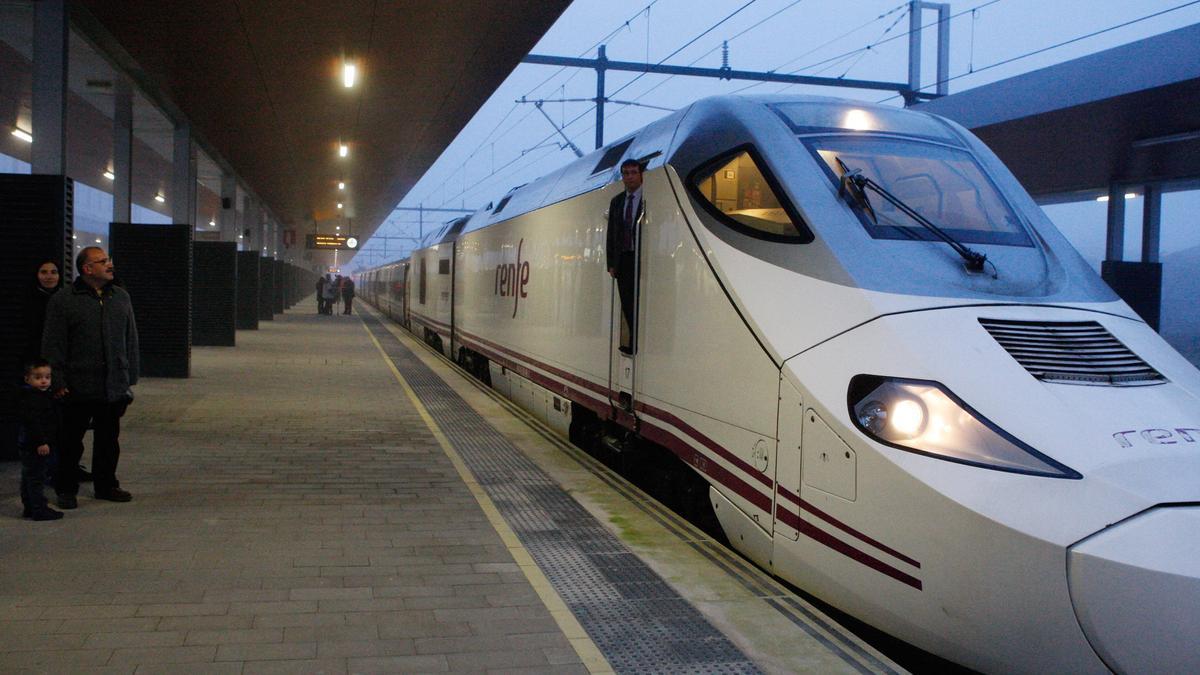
91 342
347 294
624 215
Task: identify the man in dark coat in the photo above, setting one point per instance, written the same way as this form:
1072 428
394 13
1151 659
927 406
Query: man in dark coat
91 342
347 294
321 281
624 217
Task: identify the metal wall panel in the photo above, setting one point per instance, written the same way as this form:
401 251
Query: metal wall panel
35 226
248 278
281 285
154 263
214 293
266 289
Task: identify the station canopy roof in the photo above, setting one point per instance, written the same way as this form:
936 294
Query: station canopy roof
261 84
1128 115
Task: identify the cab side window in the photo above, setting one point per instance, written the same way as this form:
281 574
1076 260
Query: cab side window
736 189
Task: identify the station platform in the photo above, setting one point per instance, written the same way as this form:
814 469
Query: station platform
331 496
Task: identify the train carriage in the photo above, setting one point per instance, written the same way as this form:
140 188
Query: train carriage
902 389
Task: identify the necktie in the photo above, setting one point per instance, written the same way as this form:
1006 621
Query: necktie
628 222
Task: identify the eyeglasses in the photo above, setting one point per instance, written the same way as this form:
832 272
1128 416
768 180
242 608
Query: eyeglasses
101 261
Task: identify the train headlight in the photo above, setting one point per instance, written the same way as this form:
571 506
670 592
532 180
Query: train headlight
924 417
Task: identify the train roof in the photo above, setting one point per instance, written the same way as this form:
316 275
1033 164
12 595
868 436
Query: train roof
655 144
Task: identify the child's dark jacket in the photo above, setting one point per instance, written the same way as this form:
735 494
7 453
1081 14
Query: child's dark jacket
40 417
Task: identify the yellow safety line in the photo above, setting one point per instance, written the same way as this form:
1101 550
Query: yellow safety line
587 650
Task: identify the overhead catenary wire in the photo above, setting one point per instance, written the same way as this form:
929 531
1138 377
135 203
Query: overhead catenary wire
701 57
591 109
492 138
1059 44
825 44
706 31
841 58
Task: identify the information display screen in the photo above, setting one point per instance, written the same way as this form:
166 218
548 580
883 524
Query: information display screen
330 242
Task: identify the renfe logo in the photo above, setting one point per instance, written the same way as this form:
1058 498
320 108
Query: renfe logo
1157 436
511 279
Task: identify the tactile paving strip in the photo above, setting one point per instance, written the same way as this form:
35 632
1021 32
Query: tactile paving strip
638 621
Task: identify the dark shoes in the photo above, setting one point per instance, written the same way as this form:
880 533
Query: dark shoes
114 495
46 513
85 476
43 513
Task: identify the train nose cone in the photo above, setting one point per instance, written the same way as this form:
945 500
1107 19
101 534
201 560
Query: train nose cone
1136 591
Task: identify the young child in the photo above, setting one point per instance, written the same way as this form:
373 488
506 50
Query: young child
40 421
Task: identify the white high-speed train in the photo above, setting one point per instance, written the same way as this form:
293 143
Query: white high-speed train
905 391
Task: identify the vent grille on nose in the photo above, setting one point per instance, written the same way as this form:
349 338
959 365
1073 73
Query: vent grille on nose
1072 352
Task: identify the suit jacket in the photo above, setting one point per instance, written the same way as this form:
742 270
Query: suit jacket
616 224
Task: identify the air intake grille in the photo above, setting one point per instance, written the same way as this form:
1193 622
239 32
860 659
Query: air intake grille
1071 352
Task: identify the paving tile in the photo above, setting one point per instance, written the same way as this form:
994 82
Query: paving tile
296 667
281 607
363 593
245 595
32 627
544 670
267 651
399 664
366 648
34 641
293 620
134 639
330 633
55 660
210 622
137 657
496 659
234 636
184 609
228 668
88 612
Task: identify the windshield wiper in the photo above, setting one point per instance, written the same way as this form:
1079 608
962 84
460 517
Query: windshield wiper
854 186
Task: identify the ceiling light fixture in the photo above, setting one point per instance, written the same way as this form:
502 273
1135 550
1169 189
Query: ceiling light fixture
341 185
339 205
159 198
23 135
109 175
343 150
349 73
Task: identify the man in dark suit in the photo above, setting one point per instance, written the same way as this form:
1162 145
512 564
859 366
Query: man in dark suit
624 215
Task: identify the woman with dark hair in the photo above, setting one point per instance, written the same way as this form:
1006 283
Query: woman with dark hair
45 284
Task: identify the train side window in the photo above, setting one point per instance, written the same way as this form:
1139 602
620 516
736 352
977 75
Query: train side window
740 192
609 159
444 266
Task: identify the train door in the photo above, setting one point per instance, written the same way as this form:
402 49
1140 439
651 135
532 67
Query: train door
623 344
788 458
404 267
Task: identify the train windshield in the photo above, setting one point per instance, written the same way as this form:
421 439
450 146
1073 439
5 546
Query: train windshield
943 184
